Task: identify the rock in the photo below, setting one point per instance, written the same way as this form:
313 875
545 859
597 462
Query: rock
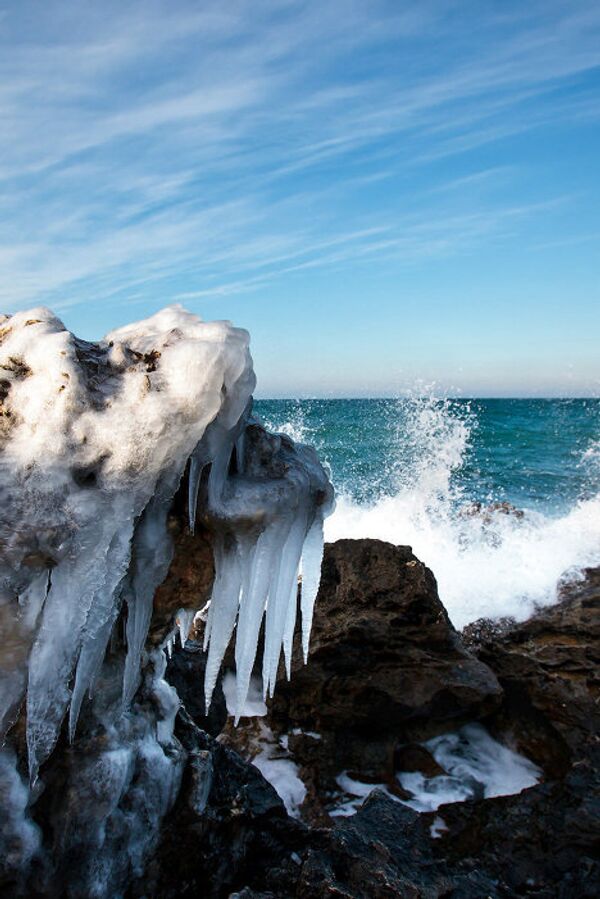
189 581
386 666
185 672
543 842
382 852
549 669
486 512
227 831
414 757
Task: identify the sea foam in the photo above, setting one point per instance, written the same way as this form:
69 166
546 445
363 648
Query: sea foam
487 564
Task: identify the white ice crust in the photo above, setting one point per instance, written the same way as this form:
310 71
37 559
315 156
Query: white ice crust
94 441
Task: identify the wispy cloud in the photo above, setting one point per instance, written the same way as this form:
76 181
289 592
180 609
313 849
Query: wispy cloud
223 146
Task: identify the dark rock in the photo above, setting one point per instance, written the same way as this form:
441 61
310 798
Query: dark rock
385 666
384 851
414 757
228 829
188 584
549 667
185 672
487 511
543 842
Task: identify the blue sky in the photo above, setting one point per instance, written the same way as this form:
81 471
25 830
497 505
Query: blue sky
381 192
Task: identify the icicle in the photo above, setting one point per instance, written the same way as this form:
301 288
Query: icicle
240 446
312 557
184 618
264 564
225 598
13 678
74 588
151 557
197 462
290 626
100 621
279 600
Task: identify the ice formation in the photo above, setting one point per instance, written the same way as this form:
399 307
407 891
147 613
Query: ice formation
94 442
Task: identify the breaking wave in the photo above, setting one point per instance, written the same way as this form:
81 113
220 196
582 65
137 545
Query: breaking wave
440 484
489 560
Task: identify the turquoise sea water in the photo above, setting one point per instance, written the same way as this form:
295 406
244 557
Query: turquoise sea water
407 470
534 453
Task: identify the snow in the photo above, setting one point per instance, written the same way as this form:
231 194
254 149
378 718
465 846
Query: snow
282 773
268 753
355 792
438 828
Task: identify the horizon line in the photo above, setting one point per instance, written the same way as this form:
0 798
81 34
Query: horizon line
270 399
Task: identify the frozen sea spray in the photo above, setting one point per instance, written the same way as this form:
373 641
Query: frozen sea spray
95 440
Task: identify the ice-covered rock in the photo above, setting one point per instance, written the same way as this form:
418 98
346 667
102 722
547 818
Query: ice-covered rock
95 440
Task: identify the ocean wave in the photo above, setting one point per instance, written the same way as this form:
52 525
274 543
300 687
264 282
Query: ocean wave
489 561
491 567
435 474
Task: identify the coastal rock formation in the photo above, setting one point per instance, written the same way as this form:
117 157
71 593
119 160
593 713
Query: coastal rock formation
386 666
543 842
228 828
549 668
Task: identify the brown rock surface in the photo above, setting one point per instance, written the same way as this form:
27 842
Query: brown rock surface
549 667
188 584
385 666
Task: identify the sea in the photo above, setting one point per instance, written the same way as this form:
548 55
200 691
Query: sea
499 497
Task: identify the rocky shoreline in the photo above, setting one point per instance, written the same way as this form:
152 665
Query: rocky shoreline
387 672
387 677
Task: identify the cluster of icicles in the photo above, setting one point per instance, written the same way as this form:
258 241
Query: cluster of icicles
94 442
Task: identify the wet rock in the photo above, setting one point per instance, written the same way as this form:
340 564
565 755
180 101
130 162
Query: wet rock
185 672
386 666
414 757
487 511
188 584
544 842
549 668
227 831
384 851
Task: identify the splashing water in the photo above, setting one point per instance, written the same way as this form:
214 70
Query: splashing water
427 472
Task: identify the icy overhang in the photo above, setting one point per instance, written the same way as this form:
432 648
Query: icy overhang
94 441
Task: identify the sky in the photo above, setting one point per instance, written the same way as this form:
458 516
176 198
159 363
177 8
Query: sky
384 193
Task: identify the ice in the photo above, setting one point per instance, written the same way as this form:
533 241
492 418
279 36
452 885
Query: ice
438 828
229 563
151 557
95 441
312 556
184 620
254 704
282 773
284 595
19 836
264 570
266 752
267 506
